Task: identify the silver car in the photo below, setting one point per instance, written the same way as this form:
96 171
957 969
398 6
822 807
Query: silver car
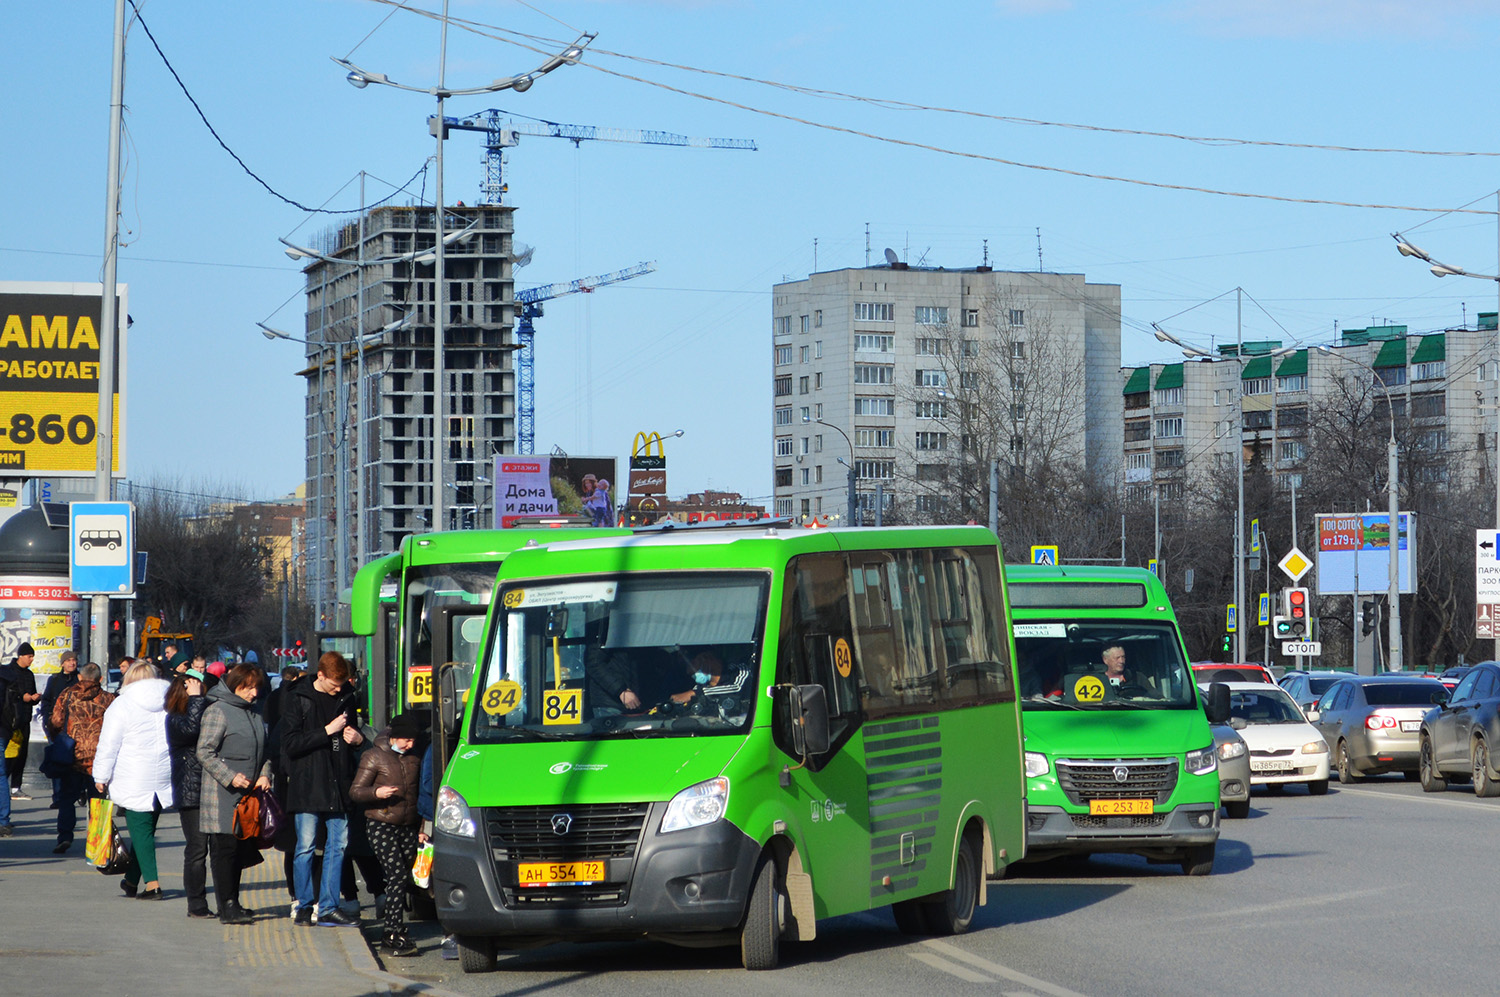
1373 723
1234 771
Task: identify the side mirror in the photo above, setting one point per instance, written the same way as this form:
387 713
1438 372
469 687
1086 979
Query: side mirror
1216 703
1441 699
1238 723
808 717
454 679
1312 716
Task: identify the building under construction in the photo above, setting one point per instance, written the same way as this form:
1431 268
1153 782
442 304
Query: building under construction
370 382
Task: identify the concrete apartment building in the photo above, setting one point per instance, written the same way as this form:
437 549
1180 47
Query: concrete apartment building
370 428
895 367
1180 418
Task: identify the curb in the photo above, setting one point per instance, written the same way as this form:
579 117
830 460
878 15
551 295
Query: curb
361 956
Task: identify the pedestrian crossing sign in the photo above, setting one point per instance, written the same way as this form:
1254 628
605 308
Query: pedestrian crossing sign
1044 555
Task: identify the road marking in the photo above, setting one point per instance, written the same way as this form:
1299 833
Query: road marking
1332 898
952 968
1472 805
1041 986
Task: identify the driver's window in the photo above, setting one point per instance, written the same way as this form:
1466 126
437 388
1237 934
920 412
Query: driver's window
1485 688
1465 689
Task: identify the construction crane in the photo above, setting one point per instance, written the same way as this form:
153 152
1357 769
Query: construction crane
501 135
528 307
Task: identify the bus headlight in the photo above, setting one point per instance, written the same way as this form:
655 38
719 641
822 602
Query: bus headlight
452 814
1036 765
1231 749
697 805
1202 761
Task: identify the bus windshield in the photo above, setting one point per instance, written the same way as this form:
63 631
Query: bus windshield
634 655
1099 665
435 585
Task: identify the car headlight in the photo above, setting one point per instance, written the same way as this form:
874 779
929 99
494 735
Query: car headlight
1231 749
697 805
1036 764
1202 761
1318 747
452 814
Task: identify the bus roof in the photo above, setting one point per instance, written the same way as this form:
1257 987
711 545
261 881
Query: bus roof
1084 589
473 546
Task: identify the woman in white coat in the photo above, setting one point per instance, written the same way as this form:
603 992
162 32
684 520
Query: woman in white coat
134 765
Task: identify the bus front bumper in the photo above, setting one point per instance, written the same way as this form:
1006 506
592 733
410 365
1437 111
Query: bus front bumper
1052 831
692 883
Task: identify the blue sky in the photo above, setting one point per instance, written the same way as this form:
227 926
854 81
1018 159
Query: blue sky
689 346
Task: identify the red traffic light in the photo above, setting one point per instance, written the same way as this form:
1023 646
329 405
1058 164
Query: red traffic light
1297 603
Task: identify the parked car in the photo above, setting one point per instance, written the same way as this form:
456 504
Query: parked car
1306 688
1234 771
1452 676
1205 672
1284 747
1373 722
1457 737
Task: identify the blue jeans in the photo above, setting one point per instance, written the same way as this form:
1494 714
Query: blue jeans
337 828
5 792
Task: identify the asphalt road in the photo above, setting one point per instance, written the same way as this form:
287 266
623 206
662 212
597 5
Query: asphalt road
1373 889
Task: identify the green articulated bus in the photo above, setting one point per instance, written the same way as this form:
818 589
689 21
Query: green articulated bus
718 736
1119 755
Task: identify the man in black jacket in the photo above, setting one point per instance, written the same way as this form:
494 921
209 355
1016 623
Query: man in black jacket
320 744
18 699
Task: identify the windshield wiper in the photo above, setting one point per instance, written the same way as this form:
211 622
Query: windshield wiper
531 733
1127 704
1049 702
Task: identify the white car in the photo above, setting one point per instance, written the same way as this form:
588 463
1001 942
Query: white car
1284 747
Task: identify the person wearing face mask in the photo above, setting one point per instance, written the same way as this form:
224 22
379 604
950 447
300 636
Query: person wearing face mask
386 786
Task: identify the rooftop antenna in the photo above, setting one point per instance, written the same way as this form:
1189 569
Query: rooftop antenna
891 258
1039 267
923 258
815 255
986 252
867 244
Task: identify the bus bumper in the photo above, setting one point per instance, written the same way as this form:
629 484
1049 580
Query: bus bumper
688 882
1052 831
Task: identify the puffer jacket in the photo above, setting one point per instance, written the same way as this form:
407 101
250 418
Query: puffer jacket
133 758
182 736
79 713
382 766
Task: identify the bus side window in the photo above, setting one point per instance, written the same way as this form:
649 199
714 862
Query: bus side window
815 620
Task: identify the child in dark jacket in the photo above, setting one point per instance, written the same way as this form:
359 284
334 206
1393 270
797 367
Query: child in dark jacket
386 785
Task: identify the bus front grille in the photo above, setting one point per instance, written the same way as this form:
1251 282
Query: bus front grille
559 833
1133 779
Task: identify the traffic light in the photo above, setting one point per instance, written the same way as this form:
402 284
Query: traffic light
1296 611
1281 627
1228 639
1367 608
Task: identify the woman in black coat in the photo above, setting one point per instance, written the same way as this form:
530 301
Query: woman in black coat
185 706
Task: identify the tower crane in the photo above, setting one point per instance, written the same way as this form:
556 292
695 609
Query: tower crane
500 135
528 307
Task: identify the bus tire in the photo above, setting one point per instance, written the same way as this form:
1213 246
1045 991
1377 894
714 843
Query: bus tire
476 953
911 917
760 938
1198 860
953 911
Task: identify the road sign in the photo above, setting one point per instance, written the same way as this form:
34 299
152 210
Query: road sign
1044 555
1305 648
1255 536
1487 565
1265 609
1231 618
102 548
1154 566
1295 564
1487 620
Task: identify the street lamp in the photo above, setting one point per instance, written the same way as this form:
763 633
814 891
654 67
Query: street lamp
1239 459
853 505
1444 270
1393 544
361 78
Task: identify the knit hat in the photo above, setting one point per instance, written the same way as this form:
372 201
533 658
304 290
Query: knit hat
407 725
216 669
25 649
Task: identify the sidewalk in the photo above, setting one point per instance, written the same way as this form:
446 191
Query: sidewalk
64 928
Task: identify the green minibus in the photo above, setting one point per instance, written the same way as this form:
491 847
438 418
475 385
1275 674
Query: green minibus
1119 755
718 736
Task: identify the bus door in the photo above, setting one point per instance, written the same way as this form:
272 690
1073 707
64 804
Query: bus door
830 790
457 640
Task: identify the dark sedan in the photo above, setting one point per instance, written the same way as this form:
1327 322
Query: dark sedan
1373 722
1306 688
1457 738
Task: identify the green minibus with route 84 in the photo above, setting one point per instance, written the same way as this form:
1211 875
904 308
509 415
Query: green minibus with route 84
1119 754
721 735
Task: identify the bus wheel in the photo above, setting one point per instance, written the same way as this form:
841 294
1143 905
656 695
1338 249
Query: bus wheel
1198 860
911 917
953 911
760 938
476 953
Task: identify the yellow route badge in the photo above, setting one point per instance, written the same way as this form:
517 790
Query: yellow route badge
1088 689
501 698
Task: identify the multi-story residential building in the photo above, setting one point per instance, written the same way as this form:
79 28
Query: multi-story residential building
370 408
1183 419
906 374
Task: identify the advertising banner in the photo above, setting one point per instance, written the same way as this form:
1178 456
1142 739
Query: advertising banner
49 379
43 612
1354 553
648 473
527 486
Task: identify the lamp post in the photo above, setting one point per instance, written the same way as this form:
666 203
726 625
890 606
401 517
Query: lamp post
1239 457
853 504
1444 270
362 78
1393 656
